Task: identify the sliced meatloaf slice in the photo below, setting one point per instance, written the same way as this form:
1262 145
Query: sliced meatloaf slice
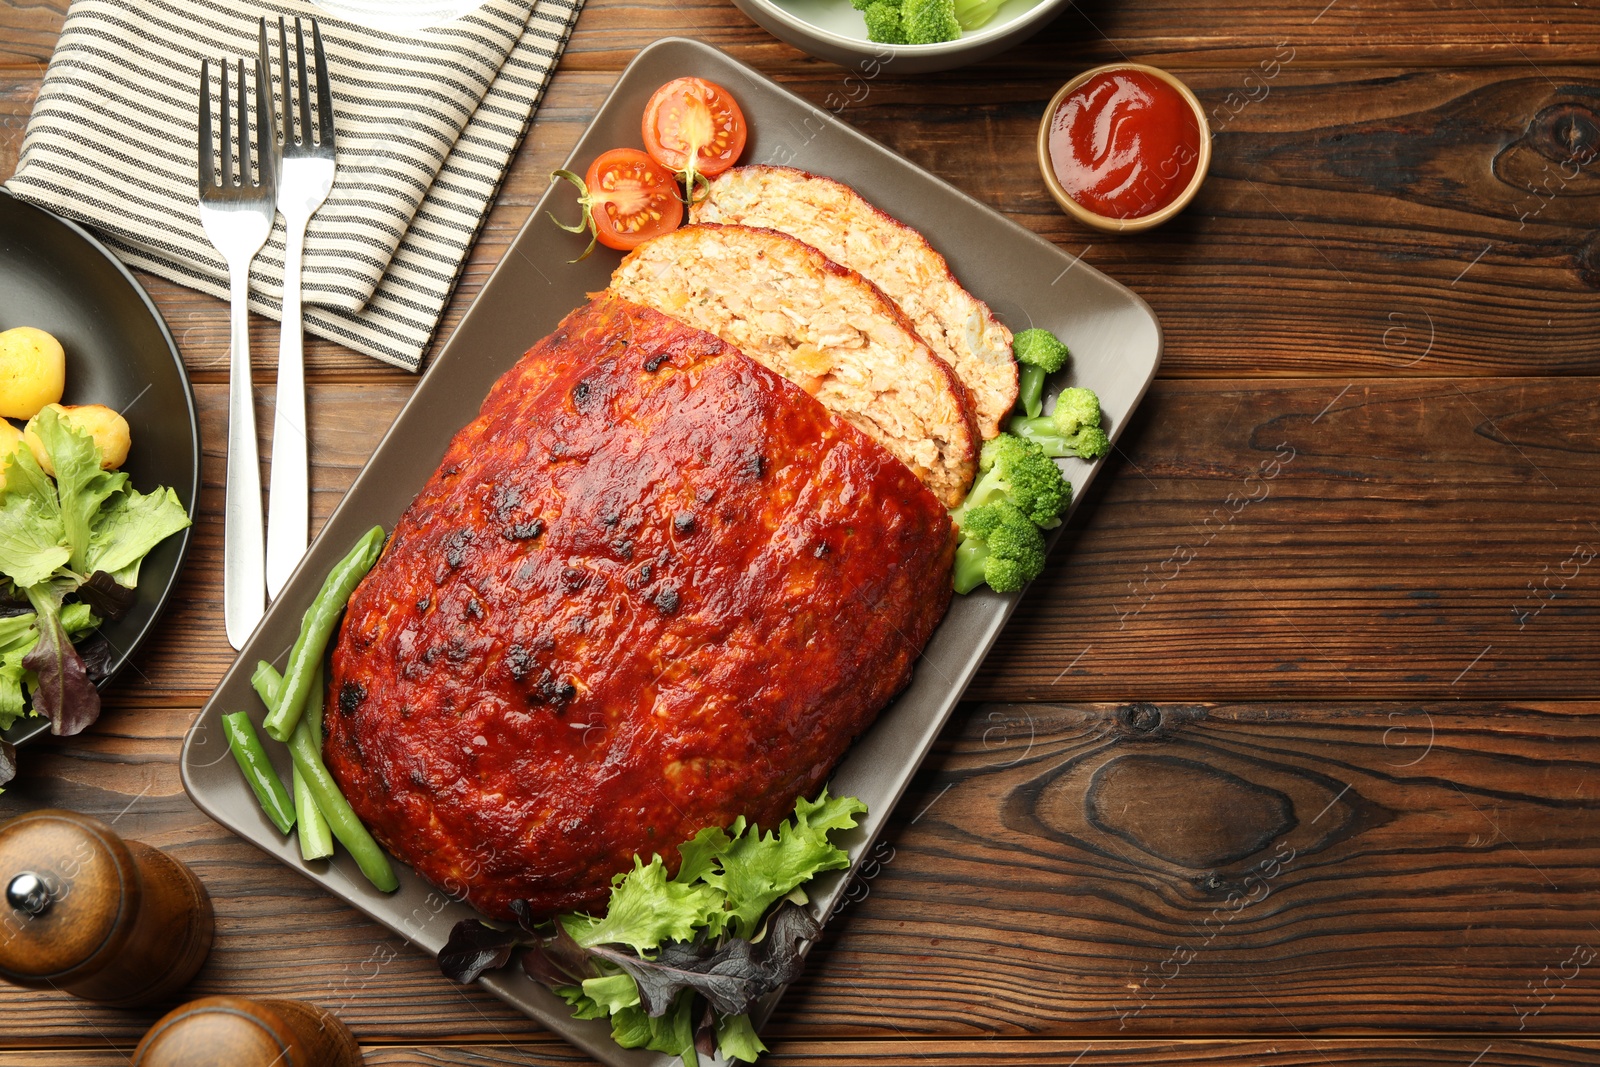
836 220
825 328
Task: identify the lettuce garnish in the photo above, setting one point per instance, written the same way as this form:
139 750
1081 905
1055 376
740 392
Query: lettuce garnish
677 963
56 536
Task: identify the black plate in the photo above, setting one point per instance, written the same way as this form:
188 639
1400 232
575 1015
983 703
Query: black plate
55 276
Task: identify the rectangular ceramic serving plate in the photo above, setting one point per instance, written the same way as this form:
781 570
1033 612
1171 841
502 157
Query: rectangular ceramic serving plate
1116 345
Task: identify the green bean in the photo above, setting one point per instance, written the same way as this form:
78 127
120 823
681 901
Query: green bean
252 760
266 681
316 628
306 747
316 840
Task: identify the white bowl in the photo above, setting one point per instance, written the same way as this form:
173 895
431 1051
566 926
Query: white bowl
833 30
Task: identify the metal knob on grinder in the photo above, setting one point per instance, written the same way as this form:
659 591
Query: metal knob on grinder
90 914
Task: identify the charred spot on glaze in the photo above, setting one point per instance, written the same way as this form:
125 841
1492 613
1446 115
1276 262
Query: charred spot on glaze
821 550
667 601
645 572
653 364
623 548
611 518
506 499
549 689
474 609
423 604
523 531
572 579
351 694
683 522
580 393
519 662
753 465
455 547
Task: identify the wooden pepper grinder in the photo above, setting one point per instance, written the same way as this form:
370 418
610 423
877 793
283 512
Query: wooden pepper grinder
93 915
248 1033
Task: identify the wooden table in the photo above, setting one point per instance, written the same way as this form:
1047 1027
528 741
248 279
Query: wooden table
1275 770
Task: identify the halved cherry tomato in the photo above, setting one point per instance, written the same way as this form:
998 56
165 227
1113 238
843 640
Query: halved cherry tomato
627 198
694 127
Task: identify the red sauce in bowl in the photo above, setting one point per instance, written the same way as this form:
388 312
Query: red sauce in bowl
1124 144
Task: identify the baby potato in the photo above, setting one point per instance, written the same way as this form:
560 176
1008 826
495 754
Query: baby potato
33 371
109 430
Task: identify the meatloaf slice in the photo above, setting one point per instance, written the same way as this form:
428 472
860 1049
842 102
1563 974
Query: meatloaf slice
825 328
841 224
652 587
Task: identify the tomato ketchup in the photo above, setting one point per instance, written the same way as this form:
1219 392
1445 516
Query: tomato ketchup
1124 144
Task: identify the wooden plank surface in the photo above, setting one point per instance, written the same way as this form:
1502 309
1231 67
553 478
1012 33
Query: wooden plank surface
1353 1052
1058 872
1382 561
1334 538
1347 1052
1432 224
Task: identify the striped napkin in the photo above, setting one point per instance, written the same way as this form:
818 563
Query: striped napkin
427 121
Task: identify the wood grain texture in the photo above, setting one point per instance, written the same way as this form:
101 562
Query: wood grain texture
1353 1052
1101 871
1257 545
1436 222
1396 539
1389 840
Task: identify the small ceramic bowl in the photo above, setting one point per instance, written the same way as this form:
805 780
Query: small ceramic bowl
834 31
1106 222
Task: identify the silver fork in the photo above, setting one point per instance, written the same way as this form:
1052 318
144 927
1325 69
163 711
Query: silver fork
303 184
237 214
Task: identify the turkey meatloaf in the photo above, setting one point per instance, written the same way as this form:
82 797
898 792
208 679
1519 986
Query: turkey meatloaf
822 326
652 587
842 225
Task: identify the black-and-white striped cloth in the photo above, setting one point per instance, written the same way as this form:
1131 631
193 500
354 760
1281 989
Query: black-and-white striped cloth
427 122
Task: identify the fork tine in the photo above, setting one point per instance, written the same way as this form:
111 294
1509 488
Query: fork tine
244 127
227 129
304 88
263 72
283 69
324 93
207 159
266 143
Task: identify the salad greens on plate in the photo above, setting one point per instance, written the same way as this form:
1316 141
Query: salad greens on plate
70 549
678 963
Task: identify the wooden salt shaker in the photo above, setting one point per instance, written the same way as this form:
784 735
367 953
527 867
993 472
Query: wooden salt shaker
248 1033
90 914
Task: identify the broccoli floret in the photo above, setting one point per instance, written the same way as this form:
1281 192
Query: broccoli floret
1019 471
1039 352
862 5
883 22
999 546
929 21
1072 429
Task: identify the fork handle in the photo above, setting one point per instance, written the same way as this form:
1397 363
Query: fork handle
288 519
243 585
